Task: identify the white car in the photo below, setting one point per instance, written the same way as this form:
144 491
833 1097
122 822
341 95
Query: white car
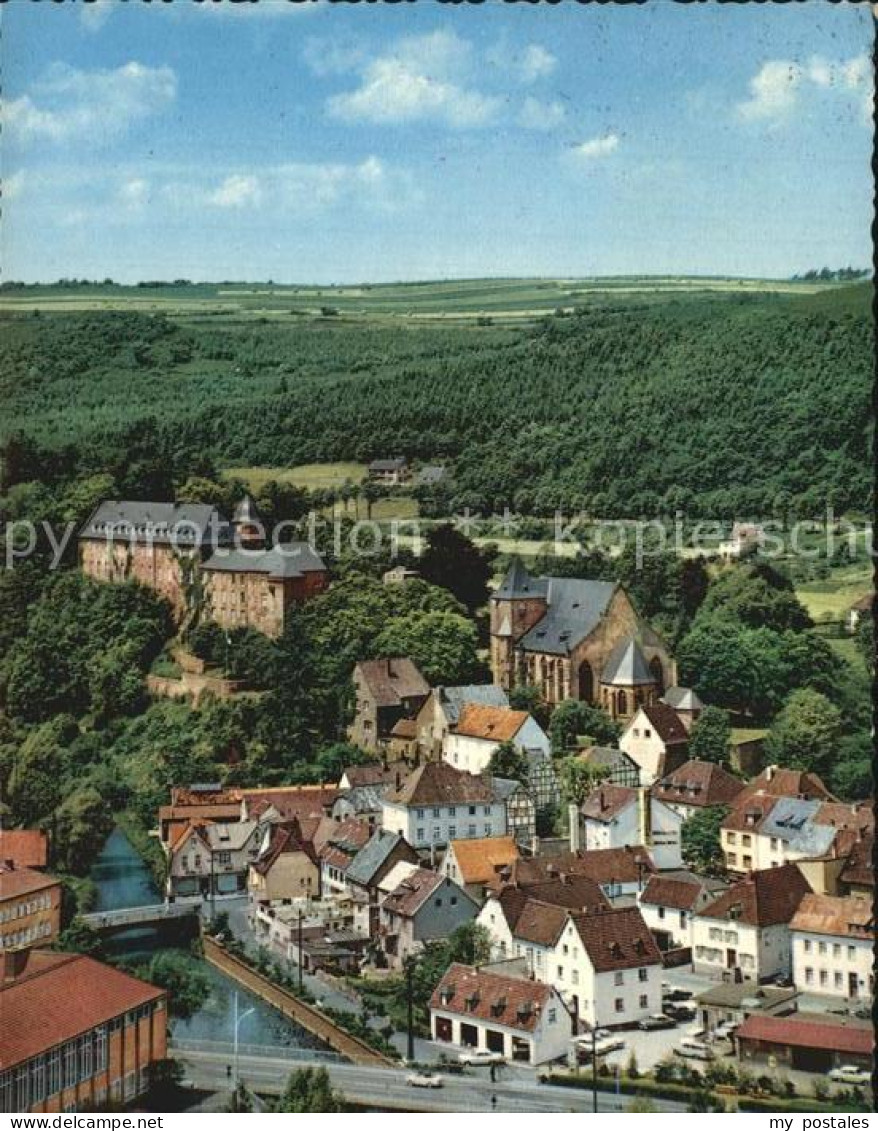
694 1050
850 1074
424 1080
476 1057
727 1029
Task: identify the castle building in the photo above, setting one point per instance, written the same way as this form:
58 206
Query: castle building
576 639
202 565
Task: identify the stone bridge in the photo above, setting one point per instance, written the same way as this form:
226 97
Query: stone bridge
151 915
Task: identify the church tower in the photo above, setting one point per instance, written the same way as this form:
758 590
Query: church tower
516 606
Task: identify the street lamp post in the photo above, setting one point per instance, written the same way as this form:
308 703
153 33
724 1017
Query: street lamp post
237 1023
301 955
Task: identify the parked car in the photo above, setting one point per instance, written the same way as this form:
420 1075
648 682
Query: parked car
726 1030
678 1011
675 993
850 1074
695 1050
424 1080
475 1057
602 1047
656 1021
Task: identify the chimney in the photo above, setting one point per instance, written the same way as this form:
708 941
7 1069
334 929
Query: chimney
573 815
644 816
14 962
769 772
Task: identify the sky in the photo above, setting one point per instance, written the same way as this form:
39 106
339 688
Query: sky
336 143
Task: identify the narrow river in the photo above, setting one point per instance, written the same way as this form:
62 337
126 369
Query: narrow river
123 880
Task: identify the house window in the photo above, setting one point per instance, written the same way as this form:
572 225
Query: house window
437 832
647 733
619 1005
574 976
419 834
748 861
224 859
419 813
472 810
731 838
471 830
732 859
822 947
661 913
746 840
809 975
560 971
619 978
452 811
852 953
837 979
836 950
486 809
774 844
452 832
436 812
807 946
489 830
824 977
642 973
644 1001
552 1016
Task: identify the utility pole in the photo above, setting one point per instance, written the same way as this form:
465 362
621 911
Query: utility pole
301 956
410 1009
594 1060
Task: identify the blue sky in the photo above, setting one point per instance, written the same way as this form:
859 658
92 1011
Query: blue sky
337 143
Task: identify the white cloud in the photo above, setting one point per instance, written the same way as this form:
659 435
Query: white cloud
13 185
777 87
93 14
134 192
422 79
538 115
68 104
597 147
527 65
236 191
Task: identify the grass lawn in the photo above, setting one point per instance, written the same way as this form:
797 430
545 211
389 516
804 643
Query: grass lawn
314 476
831 599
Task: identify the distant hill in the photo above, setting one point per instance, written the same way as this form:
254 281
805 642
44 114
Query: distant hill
627 401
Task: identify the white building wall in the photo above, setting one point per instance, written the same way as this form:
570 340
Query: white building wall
642 744
433 826
678 924
832 965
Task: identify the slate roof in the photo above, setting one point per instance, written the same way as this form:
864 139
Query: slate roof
626 665
28 848
285 560
393 680
617 939
810 1032
763 899
698 784
437 783
408 895
184 524
682 699
60 996
519 583
478 860
230 837
245 512
365 798
845 917
575 609
792 821
372 856
453 699
395 463
514 1003
492 724
16 881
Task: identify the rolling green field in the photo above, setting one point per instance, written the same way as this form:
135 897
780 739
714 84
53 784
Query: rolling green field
832 598
313 476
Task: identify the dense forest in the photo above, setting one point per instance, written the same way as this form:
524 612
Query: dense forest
717 406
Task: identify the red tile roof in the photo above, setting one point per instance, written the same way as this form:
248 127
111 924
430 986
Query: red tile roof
799 1032
617 939
662 891
493 724
28 848
344 842
290 800
478 860
749 811
514 1003
284 839
603 865
59 996
407 897
392 681
697 784
762 899
371 773
859 816
848 917
777 782
22 881
437 783
607 801
860 867
667 723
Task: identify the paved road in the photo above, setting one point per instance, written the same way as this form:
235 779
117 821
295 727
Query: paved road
385 1087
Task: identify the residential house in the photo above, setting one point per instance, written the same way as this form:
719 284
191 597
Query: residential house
386 691
613 816
403 743
389 472
437 803
480 730
576 639
697 785
441 711
833 940
277 925
745 539
613 766
423 907
744 934
76 1035
207 803
431 474
686 702
621 873
669 901
474 863
30 907
777 782
287 802
602 960
858 874
362 801
656 740
860 610
807 1042
365 872
733 1002
497 1008
209 861
26 848
337 852
286 868
338 951
369 773
764 832
399 575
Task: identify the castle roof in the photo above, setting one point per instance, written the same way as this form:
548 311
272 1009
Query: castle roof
179 524
286 559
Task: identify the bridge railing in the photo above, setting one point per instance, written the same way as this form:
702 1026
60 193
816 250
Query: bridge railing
262 1052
